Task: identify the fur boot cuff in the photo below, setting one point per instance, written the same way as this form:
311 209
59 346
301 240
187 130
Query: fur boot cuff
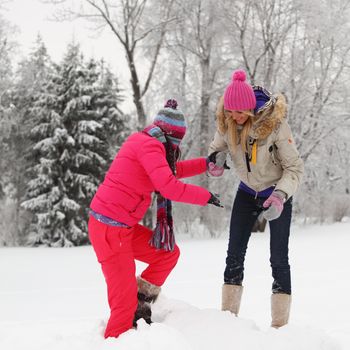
147 290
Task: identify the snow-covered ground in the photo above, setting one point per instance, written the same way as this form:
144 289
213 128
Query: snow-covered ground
55 298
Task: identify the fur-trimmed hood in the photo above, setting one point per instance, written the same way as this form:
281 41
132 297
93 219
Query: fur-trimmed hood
266 118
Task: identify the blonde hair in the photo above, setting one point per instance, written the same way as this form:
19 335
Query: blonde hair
226 123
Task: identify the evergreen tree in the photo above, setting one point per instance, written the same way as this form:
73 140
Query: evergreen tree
15 140
45 187
77 116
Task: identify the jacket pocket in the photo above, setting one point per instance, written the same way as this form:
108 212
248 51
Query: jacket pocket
141 208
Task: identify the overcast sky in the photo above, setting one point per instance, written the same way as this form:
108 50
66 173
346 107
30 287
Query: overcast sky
33 17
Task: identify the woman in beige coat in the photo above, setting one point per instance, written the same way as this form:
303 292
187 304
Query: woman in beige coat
252 127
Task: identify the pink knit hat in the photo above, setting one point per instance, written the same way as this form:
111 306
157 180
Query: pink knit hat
239 95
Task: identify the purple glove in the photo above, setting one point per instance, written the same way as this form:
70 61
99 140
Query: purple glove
216 163
274 204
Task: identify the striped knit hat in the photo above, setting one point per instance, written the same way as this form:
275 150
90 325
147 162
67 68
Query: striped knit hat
172 122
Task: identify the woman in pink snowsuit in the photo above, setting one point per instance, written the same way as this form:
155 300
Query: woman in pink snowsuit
147 162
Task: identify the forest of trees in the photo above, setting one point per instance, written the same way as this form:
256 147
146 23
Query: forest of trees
61 123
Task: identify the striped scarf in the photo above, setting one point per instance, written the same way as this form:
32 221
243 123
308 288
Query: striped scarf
163 234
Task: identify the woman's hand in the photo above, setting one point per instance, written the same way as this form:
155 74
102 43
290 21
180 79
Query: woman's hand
274 205
216 163
215 200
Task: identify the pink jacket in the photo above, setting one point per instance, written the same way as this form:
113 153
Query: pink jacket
139 169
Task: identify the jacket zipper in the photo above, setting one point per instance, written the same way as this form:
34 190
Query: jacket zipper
247 162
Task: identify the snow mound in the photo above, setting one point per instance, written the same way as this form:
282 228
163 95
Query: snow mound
177 326
206 329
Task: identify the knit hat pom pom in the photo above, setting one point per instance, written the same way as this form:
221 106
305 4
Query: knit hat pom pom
171 104
239 75
239 94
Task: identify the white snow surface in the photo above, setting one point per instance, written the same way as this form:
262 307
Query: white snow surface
55 298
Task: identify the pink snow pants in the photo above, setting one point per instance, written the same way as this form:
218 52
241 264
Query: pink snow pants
116 250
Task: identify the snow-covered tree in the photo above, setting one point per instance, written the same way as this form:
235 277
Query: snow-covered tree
78 114
7 50
7 45
16 124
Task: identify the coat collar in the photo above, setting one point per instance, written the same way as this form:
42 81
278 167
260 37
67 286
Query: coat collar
269 115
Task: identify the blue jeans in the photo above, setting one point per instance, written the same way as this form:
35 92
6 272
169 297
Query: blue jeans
245 211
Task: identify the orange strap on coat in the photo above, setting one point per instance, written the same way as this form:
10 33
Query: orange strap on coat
254 151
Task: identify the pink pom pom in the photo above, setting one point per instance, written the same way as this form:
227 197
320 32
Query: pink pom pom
238 75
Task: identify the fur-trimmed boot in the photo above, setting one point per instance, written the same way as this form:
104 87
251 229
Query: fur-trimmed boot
231 298
280 308
147 294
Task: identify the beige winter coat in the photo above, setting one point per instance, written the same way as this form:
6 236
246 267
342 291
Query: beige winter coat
278 162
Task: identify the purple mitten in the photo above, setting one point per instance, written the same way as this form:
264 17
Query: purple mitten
274 204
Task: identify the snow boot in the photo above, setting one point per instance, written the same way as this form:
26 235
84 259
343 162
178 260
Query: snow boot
231 298
147 294
280 308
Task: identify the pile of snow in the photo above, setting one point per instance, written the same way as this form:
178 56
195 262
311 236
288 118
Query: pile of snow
55 299
177 326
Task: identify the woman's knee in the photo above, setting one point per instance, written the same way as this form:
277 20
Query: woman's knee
170 258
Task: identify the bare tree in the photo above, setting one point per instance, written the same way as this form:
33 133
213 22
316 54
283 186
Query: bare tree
317 75
202 40
138 25
194 50
260 30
